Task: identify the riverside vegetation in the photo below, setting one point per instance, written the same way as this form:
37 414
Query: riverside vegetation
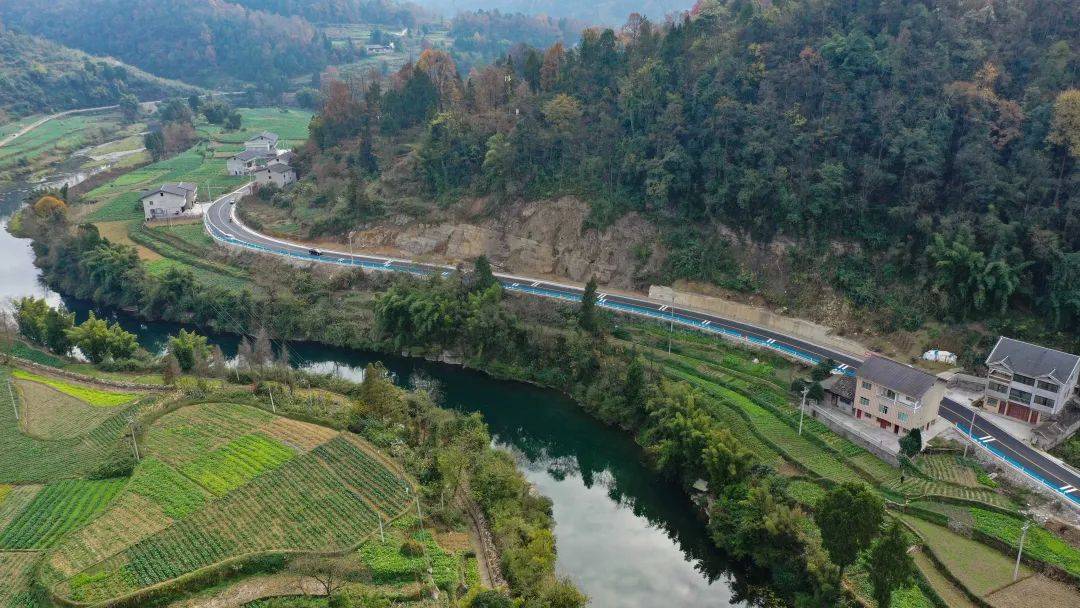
358 480
705 410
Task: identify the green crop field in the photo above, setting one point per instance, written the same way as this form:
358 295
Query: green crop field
290 124
189 433
58 508
26 459
56 138
175 494
1040 543
306 503
236 463
50 414
15 572
978 567
90 395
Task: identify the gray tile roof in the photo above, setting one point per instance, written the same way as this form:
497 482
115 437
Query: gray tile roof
247 155
178 189
1032 360
279 168
841 385
897 376
272 137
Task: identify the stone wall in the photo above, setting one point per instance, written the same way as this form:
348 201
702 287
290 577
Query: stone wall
755 315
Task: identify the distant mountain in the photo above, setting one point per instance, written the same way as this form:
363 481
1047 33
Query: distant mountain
384 12
203 41
37 75
599 12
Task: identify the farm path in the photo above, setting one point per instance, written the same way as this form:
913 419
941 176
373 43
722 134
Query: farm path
251 589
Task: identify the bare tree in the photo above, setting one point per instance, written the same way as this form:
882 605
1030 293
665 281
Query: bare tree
264 351
328 573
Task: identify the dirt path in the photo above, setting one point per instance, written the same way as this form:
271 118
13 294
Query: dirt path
37 123
249 590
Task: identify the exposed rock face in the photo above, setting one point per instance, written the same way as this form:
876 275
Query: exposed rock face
536 238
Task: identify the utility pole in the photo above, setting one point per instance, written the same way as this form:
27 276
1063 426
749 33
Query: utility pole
971 431
671 326
274 407
14 404
802 406
1020 551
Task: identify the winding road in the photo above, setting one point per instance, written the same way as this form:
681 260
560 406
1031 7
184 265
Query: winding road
225 227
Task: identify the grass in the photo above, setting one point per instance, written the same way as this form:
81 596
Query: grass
93 396
389 564
979 568
1040 543
55 138
237 463
22 350
57 509
953 596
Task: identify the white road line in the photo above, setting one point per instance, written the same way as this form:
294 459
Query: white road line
536 284
663 308
1066 487
1070 490
988 440
986 437
515 284
706 322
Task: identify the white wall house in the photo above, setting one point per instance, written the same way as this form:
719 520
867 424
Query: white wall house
245 162
265 142
169 200
1029 382
278 174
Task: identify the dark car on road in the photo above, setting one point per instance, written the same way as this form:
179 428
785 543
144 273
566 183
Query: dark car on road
314 252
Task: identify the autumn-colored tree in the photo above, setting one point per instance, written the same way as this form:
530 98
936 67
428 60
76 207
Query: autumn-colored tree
1065 132
550 69
564 112
442 71
49 207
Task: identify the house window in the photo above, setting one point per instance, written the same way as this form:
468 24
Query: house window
889 394
1049 386
902 416
1023 380
864 401
998 388
1044 401
867 385
1020 396
884 409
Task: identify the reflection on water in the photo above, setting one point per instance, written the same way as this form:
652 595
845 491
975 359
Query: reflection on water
625 537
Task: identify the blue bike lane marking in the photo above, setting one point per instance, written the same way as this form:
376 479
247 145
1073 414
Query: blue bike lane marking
691 322
988 446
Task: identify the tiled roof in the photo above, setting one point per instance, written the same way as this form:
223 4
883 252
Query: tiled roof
1032 360
897 376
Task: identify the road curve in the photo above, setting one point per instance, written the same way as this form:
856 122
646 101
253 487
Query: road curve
225 227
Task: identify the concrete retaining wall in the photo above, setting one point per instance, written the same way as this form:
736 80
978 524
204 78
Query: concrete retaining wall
823 415
967 381
753 315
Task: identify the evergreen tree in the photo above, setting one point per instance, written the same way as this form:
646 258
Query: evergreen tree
889 563
484 276
849 517
587 316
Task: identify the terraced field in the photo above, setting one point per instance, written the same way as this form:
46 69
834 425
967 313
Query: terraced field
310 502
57 509
25 459
87 394
15 571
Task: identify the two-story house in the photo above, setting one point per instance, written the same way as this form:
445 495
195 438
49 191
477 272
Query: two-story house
265 142
895 396
279 174
168 200
1029 382
246 162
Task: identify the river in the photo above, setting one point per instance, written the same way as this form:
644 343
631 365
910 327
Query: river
626 537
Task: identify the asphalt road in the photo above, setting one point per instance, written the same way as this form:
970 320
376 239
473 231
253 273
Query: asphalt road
1006 447
223 225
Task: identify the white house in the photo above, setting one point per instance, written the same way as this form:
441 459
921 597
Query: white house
265 142
379 49
279 174
168 200
246 161
1029 382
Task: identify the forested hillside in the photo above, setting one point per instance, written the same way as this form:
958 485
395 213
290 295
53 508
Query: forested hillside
600 12
387 12
921 161
40 76
195 40
491 34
